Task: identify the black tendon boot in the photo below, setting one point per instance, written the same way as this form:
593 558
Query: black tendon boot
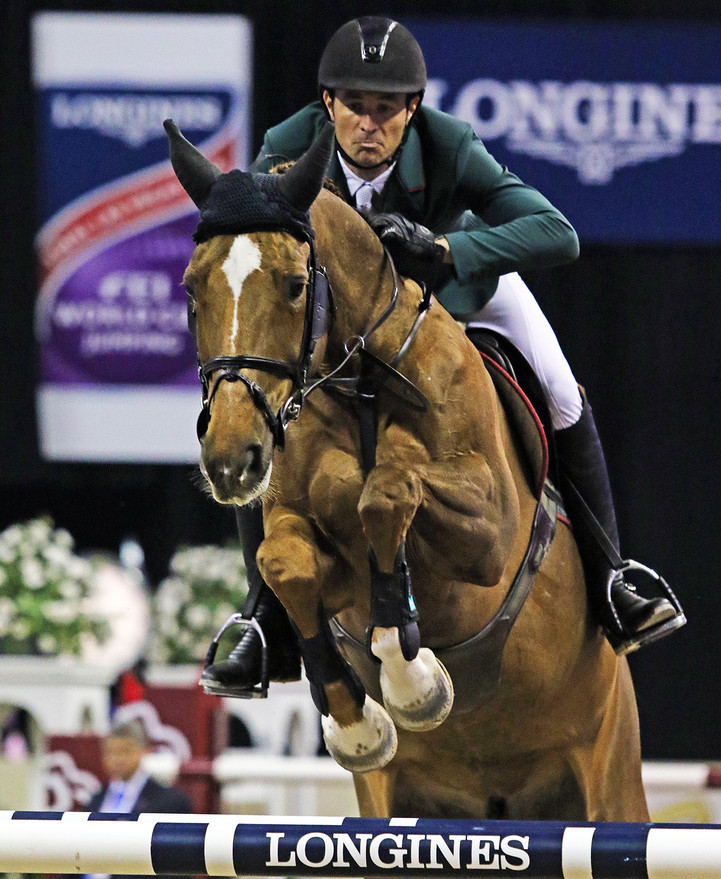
629 620
242 673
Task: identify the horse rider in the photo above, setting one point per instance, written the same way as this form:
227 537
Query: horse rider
443 205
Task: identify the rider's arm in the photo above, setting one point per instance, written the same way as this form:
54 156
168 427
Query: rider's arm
522 229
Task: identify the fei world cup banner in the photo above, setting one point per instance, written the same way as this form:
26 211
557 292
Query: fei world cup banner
618 124
119 378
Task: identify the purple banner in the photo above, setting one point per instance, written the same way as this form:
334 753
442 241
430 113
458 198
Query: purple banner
119 376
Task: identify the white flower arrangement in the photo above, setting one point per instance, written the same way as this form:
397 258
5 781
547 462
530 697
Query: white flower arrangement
206 584
44 592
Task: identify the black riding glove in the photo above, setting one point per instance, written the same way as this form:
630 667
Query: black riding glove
413 247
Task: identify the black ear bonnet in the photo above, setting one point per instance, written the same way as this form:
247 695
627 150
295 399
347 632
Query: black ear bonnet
243 202
240 201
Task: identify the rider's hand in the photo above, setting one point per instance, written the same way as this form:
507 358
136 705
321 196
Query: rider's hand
413 247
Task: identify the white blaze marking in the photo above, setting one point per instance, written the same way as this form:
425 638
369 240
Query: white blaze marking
243 259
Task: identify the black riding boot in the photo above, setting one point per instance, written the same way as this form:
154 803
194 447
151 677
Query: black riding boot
240 673
628 619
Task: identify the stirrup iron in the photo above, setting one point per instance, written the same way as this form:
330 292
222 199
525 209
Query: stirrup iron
632 642
257 691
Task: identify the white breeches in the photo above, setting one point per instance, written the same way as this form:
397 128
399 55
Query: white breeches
514 313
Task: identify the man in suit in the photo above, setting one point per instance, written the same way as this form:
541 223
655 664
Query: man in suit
130 789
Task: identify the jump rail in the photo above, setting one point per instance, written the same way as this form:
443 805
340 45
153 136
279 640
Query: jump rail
233 845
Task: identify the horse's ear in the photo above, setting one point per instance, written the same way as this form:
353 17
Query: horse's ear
195 173
302 182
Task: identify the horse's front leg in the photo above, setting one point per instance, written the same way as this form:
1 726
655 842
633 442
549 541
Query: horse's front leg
358 732
417 690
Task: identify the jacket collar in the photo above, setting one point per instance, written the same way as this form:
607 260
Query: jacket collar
410 164
406 185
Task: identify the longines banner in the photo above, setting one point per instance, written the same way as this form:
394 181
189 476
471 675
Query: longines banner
118 377
618 124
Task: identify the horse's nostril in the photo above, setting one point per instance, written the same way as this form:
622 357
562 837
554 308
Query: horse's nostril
222 475
252 462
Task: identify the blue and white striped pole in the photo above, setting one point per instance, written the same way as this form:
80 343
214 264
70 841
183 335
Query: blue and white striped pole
233 845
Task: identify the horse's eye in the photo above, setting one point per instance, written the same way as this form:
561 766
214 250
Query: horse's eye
295 285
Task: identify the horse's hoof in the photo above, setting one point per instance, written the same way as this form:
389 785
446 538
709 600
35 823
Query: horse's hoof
363 746
425 704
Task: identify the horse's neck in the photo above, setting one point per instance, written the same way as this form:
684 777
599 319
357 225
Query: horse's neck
361 278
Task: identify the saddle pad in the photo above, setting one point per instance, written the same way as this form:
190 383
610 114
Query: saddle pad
524 421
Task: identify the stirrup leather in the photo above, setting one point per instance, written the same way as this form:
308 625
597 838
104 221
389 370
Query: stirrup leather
257 691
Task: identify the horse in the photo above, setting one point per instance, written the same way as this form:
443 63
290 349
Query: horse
397 510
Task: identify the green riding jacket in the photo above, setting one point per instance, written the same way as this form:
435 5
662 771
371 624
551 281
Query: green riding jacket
448 181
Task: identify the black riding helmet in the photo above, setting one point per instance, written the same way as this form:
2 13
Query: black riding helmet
373 54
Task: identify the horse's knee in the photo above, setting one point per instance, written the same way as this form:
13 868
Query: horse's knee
390 491
283 560
294 570
386 508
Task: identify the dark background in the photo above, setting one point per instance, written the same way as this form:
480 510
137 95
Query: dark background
639 325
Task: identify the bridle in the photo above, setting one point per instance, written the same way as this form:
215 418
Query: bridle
228 368
318 314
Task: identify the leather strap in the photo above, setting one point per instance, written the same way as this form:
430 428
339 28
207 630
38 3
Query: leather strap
475 664
595 527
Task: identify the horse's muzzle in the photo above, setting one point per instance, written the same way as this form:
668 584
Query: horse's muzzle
237 478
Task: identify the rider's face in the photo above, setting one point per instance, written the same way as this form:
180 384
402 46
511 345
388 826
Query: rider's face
369 126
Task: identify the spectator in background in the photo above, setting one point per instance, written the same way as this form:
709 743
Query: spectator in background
130 788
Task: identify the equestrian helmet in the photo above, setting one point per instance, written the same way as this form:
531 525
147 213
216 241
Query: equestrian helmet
375 54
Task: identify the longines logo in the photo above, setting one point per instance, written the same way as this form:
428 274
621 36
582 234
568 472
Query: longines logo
412 851
595 128
133 118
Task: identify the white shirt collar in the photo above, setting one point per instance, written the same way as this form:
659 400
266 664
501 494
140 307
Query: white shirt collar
355 182
130 790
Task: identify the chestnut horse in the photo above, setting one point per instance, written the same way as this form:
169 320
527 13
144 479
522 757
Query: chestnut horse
437 502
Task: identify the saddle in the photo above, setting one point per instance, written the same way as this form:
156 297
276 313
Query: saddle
521 394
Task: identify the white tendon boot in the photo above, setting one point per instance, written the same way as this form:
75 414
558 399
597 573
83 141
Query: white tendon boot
418 694
363 746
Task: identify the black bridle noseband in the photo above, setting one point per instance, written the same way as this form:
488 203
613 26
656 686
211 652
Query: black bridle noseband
228 368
